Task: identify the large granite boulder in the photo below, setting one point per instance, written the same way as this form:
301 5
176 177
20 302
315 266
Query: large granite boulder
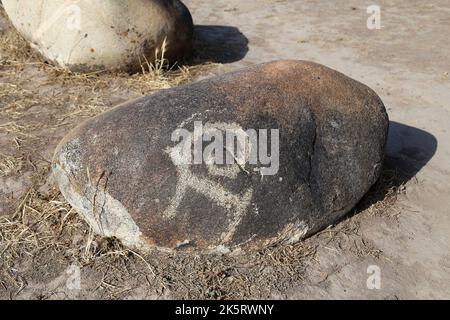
86 35
308 144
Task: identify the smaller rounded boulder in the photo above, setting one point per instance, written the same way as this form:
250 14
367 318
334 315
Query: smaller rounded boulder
88 36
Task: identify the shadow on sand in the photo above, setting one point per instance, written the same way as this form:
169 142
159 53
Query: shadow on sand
408 150
219 44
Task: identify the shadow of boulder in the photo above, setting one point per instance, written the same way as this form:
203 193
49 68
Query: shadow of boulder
218 44
408 150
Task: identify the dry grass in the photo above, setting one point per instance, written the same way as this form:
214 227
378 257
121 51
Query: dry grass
44 226
10 165
383 195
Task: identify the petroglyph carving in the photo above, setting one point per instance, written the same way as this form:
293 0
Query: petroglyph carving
234 203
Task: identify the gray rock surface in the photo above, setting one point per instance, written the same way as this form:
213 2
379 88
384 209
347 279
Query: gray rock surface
121 172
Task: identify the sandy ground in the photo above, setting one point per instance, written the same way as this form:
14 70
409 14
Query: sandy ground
402 227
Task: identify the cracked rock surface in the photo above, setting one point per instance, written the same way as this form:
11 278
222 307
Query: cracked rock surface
119 170
87 35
